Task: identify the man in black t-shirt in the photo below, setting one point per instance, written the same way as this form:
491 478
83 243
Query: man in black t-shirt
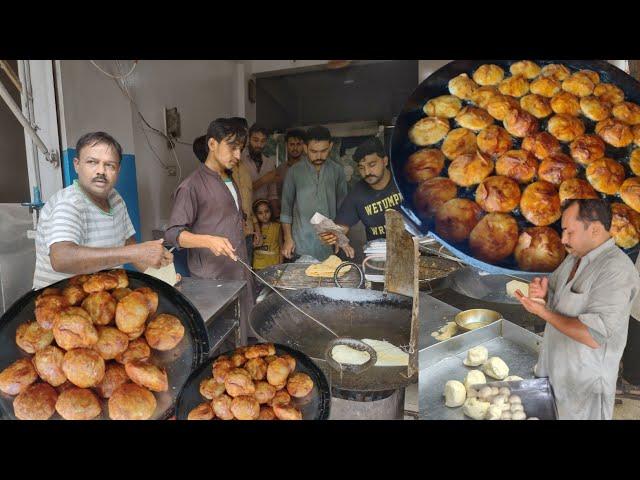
370 197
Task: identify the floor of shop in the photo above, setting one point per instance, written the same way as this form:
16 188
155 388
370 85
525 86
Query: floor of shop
629 409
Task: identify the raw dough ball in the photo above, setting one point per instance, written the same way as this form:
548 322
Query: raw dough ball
505 391
516 407
494 391
512 378
476 356
499 400
474 377
506 407
533 418
444 333
515 399
454 393
494 413
519 416
474 408
496 368
485 393
505 416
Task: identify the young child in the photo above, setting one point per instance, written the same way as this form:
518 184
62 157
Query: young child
269 253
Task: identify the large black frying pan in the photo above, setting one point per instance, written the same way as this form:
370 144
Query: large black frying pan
436 85
316 406
179 362
349 312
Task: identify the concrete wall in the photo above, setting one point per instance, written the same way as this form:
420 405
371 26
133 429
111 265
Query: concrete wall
201 90
14 188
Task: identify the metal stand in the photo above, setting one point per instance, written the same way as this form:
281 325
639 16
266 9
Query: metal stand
218 302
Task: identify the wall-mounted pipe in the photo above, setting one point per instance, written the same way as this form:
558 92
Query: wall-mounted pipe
51 157
11 74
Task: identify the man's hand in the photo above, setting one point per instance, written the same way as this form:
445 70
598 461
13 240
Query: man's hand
221 246
348 249
288 248
257 239
533 305
152 254
329 238
539 288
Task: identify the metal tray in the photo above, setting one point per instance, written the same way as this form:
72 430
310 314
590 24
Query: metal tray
179 362
443 362
436 85
318 408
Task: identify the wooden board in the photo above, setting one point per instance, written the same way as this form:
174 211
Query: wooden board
402 274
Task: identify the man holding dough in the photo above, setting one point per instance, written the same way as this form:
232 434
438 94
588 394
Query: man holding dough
85 227
588 300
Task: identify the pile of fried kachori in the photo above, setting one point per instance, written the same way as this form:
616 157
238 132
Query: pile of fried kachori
253 383
91 343
519 142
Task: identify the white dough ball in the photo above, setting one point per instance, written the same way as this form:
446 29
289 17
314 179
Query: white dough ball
475 408
506 416
474 377
484 393
533 418
494 412
505 391
515 399
476 356
454 393
517 407
518 416
506 407
496 368
513 378
498 400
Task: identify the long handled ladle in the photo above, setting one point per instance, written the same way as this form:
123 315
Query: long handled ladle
348 341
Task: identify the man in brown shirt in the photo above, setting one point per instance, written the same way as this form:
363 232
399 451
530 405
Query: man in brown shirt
242 177
207 214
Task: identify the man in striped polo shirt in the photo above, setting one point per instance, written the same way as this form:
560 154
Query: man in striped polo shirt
85 227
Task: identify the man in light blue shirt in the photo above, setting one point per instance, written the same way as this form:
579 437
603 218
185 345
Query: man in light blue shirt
311 185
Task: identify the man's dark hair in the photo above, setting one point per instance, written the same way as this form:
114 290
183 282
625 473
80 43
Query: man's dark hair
255 128
226 129
317 134
294 133
200 148
241 120
369 147
592 210
94 138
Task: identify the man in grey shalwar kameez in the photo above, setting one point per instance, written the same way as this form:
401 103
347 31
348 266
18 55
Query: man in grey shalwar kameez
588 300
312 185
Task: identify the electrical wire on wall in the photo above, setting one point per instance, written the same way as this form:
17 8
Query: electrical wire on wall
120 81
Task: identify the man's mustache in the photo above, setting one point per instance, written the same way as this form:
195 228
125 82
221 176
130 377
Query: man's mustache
101 178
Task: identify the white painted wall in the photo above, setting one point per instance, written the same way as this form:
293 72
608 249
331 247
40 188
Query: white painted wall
93 102
201 90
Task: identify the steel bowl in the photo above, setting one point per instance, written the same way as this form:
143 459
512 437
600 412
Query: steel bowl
476 318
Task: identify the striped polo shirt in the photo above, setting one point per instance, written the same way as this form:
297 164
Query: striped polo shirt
70 216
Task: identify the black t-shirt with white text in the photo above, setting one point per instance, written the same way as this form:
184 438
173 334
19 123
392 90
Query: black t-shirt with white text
367 205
